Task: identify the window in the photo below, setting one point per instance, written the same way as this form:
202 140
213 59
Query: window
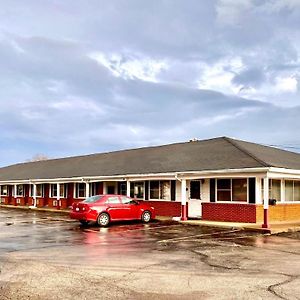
224 190
20 190
137 189
113 200
154 189
80 190
160 190
40 190
62 192
239 190
232 190
92 199
292 190
126 200
123 188
4 190
195 189
274 189
93 189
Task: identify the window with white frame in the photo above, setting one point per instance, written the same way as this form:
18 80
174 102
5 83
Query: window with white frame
160 189
232 189
80 190
292 190
274 189
137 189
40 190
20 190
62 190
4 190
93 189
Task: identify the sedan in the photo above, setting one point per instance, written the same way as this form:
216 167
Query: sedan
104 209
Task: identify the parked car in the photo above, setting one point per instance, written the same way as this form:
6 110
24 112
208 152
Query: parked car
104 209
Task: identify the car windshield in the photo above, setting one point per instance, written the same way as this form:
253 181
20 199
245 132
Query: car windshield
92 199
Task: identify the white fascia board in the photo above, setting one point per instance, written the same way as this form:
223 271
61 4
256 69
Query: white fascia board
284 173
155 176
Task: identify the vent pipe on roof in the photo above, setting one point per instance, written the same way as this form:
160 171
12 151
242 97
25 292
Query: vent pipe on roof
193 140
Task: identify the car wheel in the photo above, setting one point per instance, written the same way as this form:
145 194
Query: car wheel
103 219
84 222
146 216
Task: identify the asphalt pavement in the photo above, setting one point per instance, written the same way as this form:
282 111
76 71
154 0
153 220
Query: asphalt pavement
48 256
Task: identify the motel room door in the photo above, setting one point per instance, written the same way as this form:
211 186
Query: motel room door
194 204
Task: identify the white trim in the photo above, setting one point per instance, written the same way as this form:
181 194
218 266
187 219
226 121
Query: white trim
266 192
128 188
183 192
282 190
150 176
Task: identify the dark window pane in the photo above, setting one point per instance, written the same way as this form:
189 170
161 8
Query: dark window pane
154 189
223 184
239 190
195 189
224 195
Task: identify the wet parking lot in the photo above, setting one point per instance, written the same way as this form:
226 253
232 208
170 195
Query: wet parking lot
49 256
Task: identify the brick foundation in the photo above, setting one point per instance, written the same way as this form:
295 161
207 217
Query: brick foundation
281 212
229 212
166 208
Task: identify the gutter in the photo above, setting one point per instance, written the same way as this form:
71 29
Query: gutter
177 175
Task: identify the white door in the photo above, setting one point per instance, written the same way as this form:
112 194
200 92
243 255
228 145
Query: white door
194 205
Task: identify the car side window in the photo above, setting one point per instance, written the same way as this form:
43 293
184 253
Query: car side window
126 200
113 200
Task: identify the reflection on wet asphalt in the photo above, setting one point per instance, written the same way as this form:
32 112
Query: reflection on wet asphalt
44 255
27 231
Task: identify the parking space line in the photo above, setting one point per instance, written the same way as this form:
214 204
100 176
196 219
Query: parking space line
197 235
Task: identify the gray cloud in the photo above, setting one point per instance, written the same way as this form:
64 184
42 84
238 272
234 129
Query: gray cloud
81 77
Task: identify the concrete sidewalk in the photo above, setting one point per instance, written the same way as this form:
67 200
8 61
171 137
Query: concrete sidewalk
274 227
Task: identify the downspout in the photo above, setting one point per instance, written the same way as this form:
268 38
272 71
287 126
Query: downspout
184 215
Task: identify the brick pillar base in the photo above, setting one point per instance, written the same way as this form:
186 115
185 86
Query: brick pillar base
183 212
266 219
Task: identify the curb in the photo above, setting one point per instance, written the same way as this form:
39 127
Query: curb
59 211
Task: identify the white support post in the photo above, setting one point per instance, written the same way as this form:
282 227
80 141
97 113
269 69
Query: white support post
282 190
104 188
87 189
15 191
128 188
58 192
34 195
266 203
183 200
58 195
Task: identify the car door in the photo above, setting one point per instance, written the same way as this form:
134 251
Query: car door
114 207
130 208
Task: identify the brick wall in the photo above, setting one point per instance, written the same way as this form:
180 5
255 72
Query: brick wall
281 212
166 208
229 212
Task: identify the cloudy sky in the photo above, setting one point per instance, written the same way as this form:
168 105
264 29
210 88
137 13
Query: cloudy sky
85 76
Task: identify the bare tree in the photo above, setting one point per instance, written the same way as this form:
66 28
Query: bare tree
38 157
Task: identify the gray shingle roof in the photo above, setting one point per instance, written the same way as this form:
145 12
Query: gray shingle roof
212 154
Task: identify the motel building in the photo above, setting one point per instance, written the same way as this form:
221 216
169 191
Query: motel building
220 179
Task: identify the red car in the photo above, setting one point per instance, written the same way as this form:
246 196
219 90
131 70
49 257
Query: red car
108 208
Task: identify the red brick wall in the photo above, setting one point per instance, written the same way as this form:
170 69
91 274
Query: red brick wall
229 212
166 208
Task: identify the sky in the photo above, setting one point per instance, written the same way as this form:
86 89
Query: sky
89 76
